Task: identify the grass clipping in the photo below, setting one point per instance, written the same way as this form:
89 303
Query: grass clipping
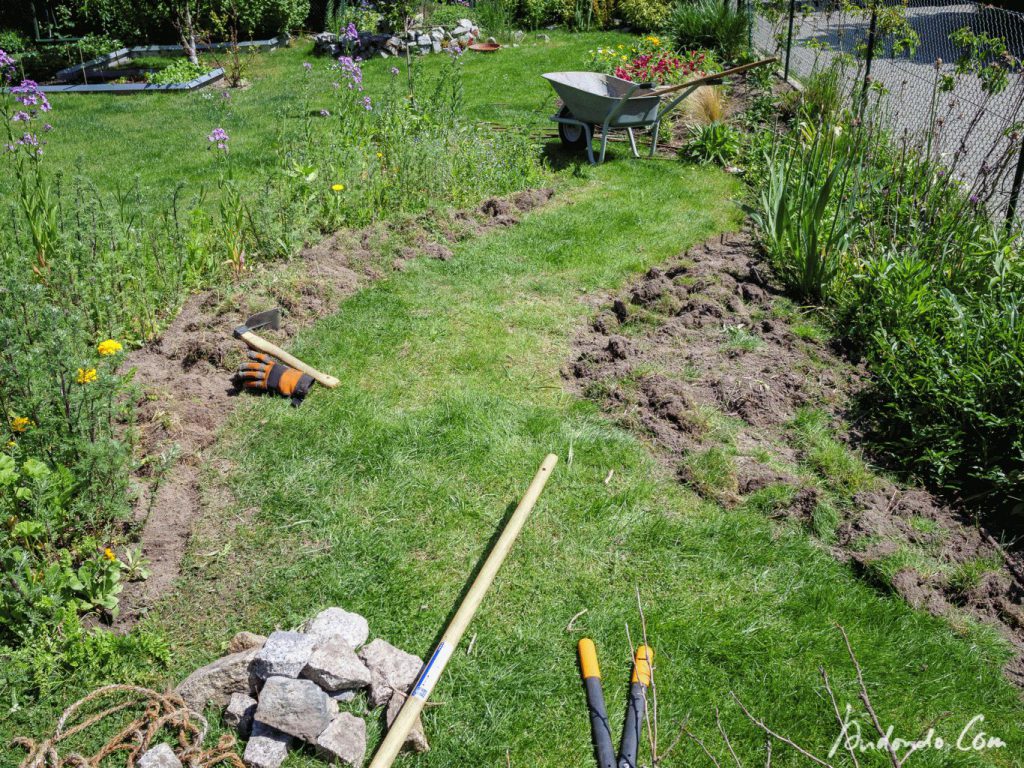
106 709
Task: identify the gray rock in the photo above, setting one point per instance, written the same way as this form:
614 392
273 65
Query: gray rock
296 707
244 641
344 740
416 741
543 38
466 23
284 655
339 623
436 46
217 681
517 37
423 40
391 669
160 756
460 30
239 713
267 747
334 666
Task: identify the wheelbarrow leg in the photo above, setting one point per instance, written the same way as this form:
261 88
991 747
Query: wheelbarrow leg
632 143
654 137
590 145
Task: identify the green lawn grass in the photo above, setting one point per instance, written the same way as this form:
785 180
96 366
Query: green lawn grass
382 495
159 139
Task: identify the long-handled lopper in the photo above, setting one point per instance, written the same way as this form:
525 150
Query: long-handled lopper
600 731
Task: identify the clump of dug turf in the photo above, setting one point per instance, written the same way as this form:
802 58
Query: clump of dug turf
744 399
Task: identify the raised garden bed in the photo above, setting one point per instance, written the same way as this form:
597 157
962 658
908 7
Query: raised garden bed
95 75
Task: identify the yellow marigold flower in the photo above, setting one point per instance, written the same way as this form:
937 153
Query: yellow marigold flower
109 554
338 187
109 347
21 423
86 375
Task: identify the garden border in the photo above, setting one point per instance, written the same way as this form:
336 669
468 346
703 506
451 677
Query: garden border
123 55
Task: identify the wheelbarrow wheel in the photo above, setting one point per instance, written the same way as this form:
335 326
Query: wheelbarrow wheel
571 136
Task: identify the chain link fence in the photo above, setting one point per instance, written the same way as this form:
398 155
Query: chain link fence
976 134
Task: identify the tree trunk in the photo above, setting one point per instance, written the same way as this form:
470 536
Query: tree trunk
187 32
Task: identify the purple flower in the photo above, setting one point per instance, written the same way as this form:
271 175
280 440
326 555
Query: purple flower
455 50
21 117
29 140
29 95
974 199
395 71
47 127
307 66
5 59
367 104
219 137
351 33
324 113
350 68
226 94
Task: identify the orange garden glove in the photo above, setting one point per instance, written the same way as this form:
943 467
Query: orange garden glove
262 372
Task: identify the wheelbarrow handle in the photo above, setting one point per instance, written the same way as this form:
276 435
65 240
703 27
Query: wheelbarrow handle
710 78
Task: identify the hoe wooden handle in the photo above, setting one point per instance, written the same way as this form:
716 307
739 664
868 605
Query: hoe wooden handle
262 345
414 703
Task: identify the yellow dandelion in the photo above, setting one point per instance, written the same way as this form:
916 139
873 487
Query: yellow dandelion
624 58
86 375
380 155
338 187
621 46
21 424
109 347
109 554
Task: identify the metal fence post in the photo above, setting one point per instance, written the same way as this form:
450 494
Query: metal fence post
1018 177
789 38
870 52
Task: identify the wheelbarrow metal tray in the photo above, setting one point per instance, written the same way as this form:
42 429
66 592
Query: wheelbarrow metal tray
590 97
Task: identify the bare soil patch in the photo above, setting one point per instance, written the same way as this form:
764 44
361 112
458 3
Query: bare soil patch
185 376
705 358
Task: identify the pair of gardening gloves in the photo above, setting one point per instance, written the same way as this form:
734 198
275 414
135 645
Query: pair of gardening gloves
264 374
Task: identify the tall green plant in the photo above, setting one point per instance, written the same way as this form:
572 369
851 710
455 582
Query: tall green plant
712 24
804 211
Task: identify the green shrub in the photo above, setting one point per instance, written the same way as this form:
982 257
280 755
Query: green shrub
646 15
13 42
448 16
947 369
179 71
530 13
716 142
712 24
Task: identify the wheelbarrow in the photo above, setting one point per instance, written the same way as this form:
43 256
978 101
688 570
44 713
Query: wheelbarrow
592 99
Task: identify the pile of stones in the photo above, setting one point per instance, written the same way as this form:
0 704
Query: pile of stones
283 691
420 39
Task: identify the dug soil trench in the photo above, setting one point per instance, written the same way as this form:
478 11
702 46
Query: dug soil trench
706 359
185 376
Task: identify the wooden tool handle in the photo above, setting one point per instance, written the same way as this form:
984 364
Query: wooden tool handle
414 703
709 78
262 345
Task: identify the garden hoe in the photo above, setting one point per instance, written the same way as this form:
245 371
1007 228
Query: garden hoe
271 318
421 690
600 731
